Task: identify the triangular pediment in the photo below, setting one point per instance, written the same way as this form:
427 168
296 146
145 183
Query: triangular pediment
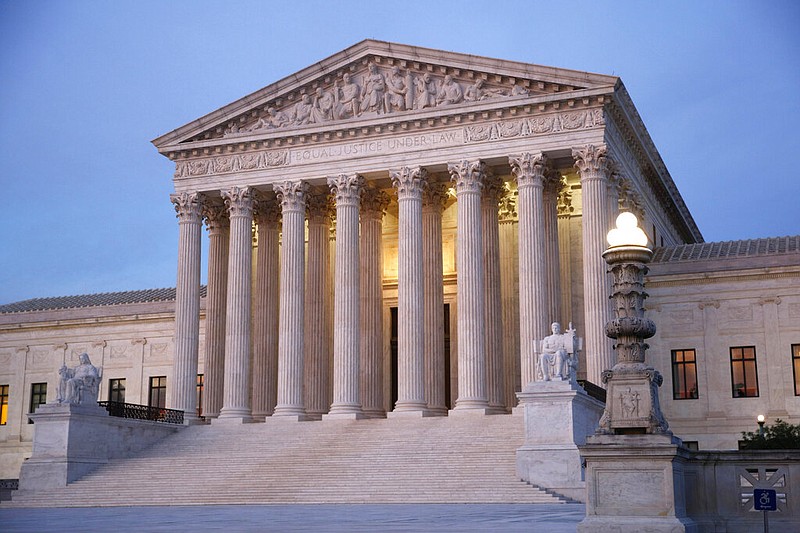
379 80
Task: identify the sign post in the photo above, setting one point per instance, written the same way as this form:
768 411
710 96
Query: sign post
765 500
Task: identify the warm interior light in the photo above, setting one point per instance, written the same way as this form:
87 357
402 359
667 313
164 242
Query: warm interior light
760 419
627 232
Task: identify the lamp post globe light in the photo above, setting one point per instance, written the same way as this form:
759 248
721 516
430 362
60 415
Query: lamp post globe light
632 386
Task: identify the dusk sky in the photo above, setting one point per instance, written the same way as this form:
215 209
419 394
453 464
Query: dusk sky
86 85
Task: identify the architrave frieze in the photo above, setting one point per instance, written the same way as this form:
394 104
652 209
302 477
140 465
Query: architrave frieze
207 168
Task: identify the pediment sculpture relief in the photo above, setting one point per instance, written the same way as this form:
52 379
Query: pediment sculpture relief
378 91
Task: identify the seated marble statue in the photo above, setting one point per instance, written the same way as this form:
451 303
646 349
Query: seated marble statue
79 385
558 357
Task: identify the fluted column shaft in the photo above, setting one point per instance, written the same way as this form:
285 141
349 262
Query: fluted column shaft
410 291
218 226
509 282
236 396
472 394
552 259
373 207
533 320
317 352
265 319
433 202
187 304
593 165
292 195
493 190
346 299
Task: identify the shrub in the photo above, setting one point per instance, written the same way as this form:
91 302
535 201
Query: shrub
779 436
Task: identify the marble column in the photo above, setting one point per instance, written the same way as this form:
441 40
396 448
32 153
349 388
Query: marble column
509 279
265 318
319 208
530 170
472 396
592 164
434 197
292 195
493 190
373 207
552 186
188 207
410 291
565 211
346 189
236 395
218 226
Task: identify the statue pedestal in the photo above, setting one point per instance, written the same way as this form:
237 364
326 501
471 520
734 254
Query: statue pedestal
559 415
635 483
68 443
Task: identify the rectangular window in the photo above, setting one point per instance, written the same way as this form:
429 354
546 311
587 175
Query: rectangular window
38 397
684 375
744 375
200 382
116 390
3 405
158 392
796 367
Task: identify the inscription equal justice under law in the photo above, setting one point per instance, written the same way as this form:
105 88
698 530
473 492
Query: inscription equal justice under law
378 146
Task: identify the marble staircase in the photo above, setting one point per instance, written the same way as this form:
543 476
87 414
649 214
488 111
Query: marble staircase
461 459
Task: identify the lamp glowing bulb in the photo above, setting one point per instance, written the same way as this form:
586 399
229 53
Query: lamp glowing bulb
627 232
760 419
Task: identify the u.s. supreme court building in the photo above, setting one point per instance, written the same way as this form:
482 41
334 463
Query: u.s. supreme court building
391 232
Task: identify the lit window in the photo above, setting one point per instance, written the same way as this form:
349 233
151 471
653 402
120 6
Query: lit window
744 375
158 392
684 375
38 397
116 390
796 366
3 405
200 394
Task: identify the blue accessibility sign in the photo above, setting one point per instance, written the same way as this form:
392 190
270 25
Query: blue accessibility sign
765 500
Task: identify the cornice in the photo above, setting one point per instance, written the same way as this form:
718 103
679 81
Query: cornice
676 280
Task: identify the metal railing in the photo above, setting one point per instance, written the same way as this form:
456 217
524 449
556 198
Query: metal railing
142 412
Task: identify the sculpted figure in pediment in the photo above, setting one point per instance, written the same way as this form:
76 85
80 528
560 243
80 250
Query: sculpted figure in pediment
478 91
322 110
425 92
519 90
450 92
397 91
345 98
301 114
274 119
373 91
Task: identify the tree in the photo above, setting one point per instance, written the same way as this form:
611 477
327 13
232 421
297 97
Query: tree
779 436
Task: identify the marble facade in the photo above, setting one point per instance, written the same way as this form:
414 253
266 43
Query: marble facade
372 190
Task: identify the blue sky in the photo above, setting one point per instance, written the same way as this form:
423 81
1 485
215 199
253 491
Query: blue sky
86 84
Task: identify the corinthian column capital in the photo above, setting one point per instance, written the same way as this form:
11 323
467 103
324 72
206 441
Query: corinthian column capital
434 196
346 188
292 195
319 208
529 169
592 161
188 206
266 210
408 181
467 175
493 189
374 203
216 217
239 201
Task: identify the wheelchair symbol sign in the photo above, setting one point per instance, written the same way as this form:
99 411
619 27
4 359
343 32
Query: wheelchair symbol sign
765 500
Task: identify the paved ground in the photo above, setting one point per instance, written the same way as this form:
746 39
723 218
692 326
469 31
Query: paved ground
288 518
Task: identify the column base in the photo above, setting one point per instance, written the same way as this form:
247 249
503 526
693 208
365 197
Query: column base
344 416
244 415
374 413
419 413
279 419
232 420
471 411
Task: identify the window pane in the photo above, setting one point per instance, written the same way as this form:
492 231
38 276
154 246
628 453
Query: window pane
684 375
796 365
744 372
3 404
